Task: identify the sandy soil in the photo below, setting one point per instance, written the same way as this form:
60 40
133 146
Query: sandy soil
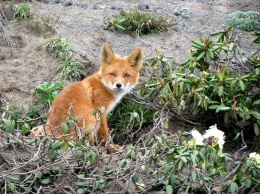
25 65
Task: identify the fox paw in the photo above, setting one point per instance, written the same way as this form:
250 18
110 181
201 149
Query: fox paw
112 148
36 131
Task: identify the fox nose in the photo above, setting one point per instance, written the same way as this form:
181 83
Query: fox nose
118 85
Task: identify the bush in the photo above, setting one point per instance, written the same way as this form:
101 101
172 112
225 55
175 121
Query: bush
198 93
166 164
138 23
47 91
248 21
207 86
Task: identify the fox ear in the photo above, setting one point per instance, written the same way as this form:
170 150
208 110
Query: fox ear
106 55
136 58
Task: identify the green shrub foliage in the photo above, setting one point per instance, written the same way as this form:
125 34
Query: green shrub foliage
137 22
248 21
209 86
22 11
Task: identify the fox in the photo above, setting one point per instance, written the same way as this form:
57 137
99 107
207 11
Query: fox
116 77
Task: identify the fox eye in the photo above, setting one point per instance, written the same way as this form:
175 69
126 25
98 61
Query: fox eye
127 75
113 74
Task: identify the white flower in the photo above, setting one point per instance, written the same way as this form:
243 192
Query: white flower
216 134
255 157
197 137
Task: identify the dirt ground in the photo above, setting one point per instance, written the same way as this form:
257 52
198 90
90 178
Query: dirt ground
25 64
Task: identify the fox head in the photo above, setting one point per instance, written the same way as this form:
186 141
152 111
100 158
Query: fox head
120 74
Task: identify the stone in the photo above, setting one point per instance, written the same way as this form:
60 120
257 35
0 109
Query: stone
95 6
68 3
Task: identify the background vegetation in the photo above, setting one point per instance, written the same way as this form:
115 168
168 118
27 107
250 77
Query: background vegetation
213 86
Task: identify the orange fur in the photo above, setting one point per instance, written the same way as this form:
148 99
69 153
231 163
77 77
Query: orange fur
117 76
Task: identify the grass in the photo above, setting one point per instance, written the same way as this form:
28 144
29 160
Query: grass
23 11
71 69
130 116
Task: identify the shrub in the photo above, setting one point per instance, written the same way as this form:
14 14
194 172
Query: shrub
47 91
183 12
161 163
221 95
137 22
248 21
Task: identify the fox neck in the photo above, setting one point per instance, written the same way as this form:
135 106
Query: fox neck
117 97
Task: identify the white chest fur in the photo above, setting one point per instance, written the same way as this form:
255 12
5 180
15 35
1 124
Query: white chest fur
117 99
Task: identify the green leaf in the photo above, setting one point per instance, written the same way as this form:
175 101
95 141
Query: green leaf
31 141
122 163
72 144
9 125
120 21
79 154
233 188
80 191
57 145
185 62
102 109
92 156
223 108
53 155
135 177
149 142
184 159
257 102
119 26
46 181
65 127
38 174
65 147
63 166
83 184
239 51
213 107
248 183
237 136
165 124
216 33
209 55
256 129
248 163
167 169
199 89
1 146
255 114
10 187
193 175
220 90
200 45
242 85
169 189
200 55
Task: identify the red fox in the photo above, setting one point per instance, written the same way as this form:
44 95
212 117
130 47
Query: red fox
117 76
